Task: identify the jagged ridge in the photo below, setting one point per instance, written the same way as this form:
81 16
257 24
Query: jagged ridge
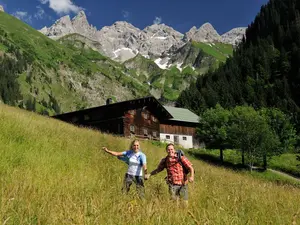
122 41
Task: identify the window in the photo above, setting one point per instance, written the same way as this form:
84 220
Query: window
184 138
154 134
153 119
132 128
132 112
146 115
167 136
145 132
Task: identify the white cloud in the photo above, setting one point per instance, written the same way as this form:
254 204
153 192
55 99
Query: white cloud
23 16
157 20
125 14
40 14
62 6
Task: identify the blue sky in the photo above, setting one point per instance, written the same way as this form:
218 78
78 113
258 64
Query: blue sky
181 15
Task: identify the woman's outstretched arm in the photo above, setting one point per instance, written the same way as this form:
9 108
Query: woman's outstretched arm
112 152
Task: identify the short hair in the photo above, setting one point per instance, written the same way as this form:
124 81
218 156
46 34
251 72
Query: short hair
170 145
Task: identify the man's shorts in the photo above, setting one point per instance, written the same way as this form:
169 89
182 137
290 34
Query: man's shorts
178 190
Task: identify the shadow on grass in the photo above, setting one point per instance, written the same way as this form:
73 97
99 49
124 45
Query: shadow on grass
215 160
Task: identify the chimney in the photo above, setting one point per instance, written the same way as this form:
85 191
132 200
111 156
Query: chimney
108 101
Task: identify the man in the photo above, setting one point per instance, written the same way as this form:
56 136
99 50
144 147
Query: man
176 177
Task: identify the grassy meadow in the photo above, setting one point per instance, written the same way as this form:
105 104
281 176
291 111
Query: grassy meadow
55 173
286 162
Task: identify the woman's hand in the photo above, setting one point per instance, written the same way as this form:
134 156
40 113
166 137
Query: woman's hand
147 176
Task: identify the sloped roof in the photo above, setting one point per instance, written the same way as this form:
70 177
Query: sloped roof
117 109
181 114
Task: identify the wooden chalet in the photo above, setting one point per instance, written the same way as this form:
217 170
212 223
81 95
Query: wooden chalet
181 128
141 118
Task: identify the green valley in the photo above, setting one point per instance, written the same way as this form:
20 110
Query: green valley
55 78
70 73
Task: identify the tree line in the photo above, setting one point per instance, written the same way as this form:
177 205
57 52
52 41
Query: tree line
257 134
264 70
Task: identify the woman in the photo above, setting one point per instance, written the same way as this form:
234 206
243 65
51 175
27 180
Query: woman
136 165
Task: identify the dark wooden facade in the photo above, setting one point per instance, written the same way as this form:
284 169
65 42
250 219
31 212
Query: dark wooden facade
139 117
141 123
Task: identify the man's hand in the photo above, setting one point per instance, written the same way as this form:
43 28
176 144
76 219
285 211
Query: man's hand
191 179
104 149
147 176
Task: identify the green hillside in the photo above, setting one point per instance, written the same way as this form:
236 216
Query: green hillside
219 51
264 70
51 77
165 84
196 58
47 179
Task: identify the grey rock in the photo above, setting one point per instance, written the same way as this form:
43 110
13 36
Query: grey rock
122 41
61 27
65 26
82 26
234 36
206 33
159 38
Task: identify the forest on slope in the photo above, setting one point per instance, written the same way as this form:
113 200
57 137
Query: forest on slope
264 70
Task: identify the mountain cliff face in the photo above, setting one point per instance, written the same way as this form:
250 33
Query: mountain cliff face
206 33
234 36
64 26
160 38
122 41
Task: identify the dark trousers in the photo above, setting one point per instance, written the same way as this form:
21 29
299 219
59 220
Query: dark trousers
139 182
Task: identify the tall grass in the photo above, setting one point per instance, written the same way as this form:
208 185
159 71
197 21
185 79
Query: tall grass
55 173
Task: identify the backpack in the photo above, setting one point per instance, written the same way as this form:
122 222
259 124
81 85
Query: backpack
180 153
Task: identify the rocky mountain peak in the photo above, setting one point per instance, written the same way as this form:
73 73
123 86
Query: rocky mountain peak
81 13
210 32
122 40
81 25
163 29
207 26
80 17
1 8
206 33
122 23
193 29
234 36
63 26
159 38
64 20
123 26
60 28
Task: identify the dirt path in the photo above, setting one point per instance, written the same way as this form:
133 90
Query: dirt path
285 174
